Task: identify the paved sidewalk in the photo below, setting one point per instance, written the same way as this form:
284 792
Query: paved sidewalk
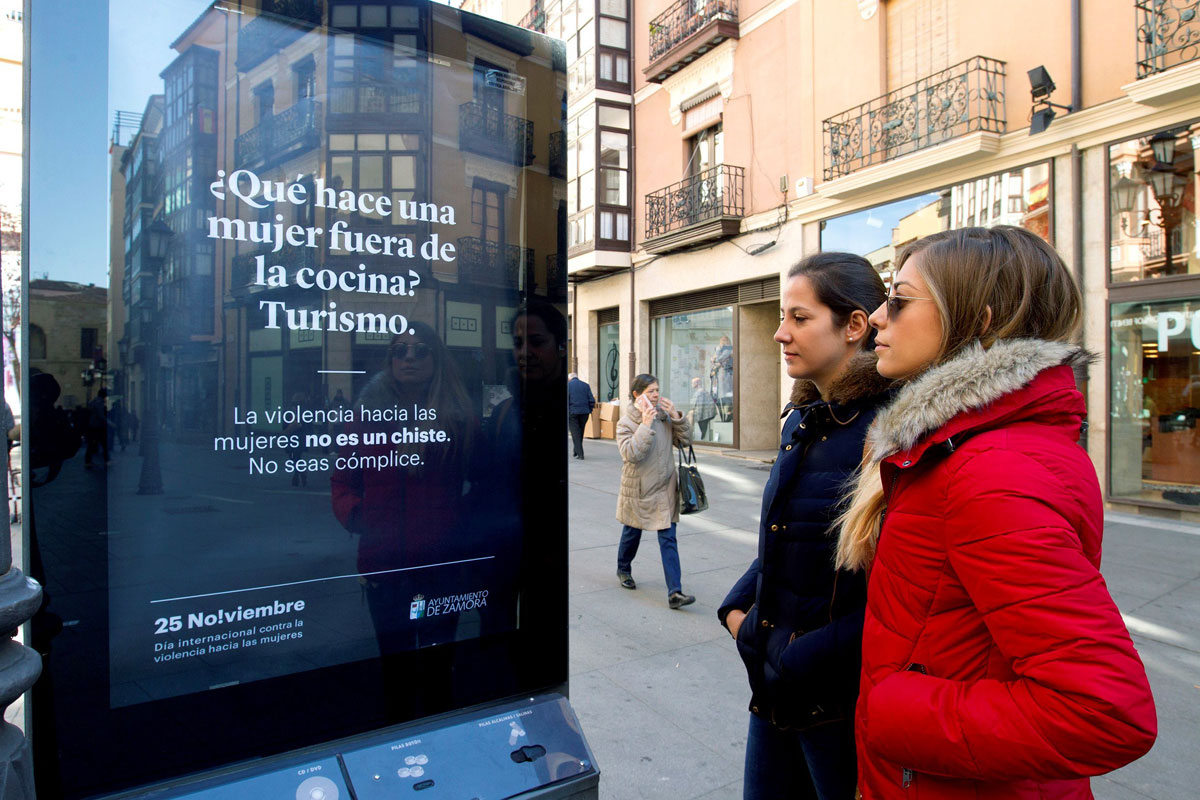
662 695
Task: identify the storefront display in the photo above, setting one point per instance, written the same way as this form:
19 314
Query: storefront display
1154 441
694 360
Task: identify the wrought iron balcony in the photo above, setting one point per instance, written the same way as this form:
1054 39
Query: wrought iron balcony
492 262
490 132
556 277
558 154
280 23
705 206
535 20
945 105
686 31
281 135
1168 34
244 272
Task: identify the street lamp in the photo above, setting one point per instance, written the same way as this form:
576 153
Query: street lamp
158 240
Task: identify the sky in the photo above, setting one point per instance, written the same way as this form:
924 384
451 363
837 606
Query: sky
71 109
864 231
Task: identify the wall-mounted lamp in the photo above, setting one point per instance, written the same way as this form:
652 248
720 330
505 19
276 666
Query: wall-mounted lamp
1041 85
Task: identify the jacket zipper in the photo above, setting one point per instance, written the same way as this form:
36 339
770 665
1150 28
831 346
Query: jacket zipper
906 774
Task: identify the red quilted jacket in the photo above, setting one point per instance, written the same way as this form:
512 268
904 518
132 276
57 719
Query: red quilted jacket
995 663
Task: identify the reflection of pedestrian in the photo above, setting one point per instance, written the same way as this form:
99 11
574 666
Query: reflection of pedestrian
704 408
647 497
116 424
720 377
300 431
580 403
97 427
338 404
132 421
411 514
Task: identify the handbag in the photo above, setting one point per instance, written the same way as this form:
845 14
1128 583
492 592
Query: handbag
692 497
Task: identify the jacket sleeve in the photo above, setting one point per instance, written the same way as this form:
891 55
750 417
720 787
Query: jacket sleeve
1079 703
346 492
741 596
681 431
633 439
591 398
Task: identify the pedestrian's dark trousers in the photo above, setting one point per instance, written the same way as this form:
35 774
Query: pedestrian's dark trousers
577 421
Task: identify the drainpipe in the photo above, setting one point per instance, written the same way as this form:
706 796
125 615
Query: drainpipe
632 194
1082 371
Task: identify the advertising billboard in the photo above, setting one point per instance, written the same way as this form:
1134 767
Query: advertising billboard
303 477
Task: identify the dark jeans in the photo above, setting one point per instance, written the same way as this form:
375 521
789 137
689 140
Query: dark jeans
576 423
668 548
774 768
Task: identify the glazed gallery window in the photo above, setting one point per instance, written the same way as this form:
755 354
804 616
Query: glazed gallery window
694 361
1020 197
1152 202
581 188
1155 401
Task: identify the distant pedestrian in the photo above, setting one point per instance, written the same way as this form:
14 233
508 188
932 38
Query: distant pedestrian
704 407
647 500
797 620
580 403
994 661
97 428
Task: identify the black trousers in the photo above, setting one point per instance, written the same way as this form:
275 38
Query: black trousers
576 422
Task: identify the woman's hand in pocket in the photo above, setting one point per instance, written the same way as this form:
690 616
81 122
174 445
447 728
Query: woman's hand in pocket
733 621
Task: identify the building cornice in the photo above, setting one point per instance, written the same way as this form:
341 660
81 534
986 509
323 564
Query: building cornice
1178 83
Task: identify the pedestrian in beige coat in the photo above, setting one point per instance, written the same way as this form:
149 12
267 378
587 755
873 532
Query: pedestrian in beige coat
647 499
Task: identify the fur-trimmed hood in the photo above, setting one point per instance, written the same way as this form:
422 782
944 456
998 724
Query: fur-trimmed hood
859 380
970 381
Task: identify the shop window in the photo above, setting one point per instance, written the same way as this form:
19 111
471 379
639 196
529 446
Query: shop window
1152 200
1154 440
694 360
610 362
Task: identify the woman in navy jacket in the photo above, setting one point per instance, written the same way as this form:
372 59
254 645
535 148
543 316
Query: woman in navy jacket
797 620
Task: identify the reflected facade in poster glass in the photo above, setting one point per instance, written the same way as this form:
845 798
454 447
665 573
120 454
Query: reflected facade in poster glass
323 451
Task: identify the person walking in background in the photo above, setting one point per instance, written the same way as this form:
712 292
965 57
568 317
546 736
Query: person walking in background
580 403
647 500
704 408
995 663
797 620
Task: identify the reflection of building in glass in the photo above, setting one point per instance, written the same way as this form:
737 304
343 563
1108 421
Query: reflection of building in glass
68 338
336 99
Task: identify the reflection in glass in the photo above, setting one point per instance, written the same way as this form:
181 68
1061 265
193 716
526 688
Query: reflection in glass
694 360
1155 401
1152 191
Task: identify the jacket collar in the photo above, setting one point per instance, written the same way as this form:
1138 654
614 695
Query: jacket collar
963 394
859 380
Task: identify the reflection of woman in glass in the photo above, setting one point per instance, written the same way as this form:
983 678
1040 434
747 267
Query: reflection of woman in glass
720 377
409 514
704 408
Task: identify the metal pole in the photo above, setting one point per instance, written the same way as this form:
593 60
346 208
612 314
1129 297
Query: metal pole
150 481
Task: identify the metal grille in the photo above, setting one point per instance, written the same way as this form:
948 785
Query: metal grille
684 18
608 316
1168 34
696 301
963 98
755 291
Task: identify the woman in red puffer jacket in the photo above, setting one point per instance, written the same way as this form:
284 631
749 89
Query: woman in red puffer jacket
995 663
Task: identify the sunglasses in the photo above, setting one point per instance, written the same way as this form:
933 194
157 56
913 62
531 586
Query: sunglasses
896 303
419 350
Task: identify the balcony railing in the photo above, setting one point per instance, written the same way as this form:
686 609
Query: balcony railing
492 262
280 135
714 194
558 154
535 20
280 24
686 31
490 132
371 98
959 100
1168 34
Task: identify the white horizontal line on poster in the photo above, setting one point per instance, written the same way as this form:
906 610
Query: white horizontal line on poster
319 580
341 372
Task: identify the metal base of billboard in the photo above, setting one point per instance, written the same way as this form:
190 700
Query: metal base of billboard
524 749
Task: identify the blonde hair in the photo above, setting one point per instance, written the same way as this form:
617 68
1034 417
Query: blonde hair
988 284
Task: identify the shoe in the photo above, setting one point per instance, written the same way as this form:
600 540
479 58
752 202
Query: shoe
679 599
626 580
